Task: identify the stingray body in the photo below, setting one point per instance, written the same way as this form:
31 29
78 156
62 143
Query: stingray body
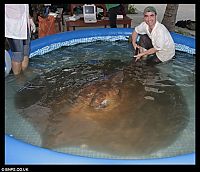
131 111
101 95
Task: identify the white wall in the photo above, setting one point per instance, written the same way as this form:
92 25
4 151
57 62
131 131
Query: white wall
185 11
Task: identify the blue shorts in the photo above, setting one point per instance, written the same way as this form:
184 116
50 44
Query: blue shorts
19 48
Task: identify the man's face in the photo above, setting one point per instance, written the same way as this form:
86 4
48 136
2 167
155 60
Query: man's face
150 18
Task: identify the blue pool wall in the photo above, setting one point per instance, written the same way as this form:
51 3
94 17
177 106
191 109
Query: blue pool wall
50 43
19 152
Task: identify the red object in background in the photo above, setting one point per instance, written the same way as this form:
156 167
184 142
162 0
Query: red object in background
46 26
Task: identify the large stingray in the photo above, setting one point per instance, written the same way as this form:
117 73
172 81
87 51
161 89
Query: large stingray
131 111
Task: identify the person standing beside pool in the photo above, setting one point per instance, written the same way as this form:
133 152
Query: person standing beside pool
113 10
18 27
155 42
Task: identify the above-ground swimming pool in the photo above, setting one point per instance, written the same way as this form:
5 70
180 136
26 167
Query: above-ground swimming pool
91 63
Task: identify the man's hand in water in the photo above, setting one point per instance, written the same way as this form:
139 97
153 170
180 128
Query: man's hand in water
144 53
136 46
138 56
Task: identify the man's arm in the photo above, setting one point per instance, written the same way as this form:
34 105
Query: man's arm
134 37
147 52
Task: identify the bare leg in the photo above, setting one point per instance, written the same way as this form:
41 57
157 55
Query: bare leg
25 63
16 67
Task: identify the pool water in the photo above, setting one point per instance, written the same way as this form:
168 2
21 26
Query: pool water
93 100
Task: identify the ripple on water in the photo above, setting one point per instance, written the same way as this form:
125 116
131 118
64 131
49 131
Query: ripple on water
149 114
